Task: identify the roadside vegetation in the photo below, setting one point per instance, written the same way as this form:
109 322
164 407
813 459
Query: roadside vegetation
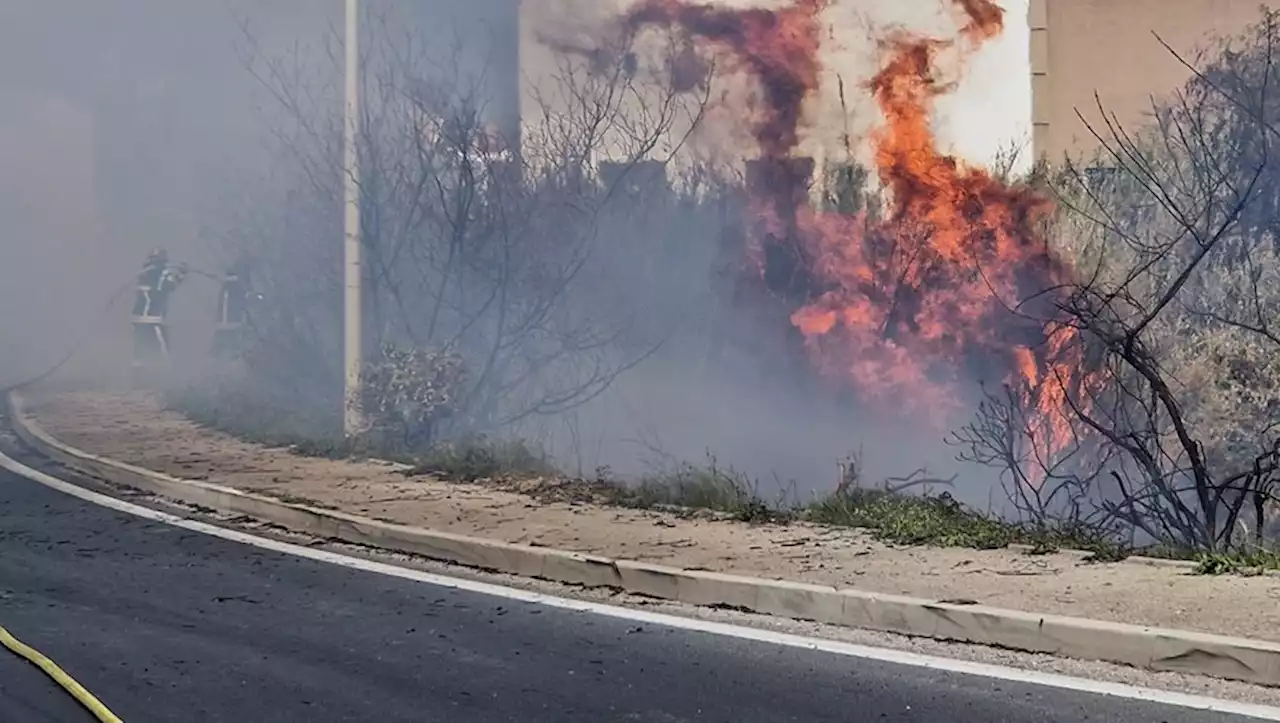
706 489
504 289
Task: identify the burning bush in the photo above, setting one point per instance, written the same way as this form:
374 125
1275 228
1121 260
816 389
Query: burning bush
957 282
1115 341
1175 297
935 294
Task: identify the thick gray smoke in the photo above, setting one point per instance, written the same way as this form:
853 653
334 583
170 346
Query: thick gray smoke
126 124
611 332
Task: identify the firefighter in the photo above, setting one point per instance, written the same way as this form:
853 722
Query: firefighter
156 283
233 310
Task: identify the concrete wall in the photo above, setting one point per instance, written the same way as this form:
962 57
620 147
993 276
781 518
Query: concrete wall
1107 47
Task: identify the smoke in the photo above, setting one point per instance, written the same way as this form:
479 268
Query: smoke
778 48
923 301
46 151
127 125
907 311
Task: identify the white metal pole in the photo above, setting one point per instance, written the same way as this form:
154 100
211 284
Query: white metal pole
351 418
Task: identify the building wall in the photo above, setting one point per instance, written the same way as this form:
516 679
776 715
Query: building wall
1107 47
987 115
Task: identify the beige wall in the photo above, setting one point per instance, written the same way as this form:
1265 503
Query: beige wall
1079 47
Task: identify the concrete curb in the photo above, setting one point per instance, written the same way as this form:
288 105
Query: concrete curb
1253 661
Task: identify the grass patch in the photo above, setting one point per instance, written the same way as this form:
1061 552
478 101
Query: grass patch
895 518
910 520
703 487
1241 562
480 459
942 521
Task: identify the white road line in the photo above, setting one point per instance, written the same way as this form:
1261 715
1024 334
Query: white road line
950 665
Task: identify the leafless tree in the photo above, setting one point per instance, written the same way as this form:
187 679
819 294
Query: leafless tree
500 250
1174 404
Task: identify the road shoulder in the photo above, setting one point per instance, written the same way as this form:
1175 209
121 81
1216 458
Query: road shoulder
133 429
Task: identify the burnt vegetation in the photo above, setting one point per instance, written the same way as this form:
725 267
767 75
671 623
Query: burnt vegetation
1171 232
513 281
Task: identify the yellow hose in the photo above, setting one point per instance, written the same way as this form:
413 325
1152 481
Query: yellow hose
59 676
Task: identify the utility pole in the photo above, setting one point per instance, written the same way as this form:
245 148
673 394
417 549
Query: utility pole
352 356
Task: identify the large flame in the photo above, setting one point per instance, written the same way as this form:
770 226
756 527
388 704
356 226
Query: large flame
910 307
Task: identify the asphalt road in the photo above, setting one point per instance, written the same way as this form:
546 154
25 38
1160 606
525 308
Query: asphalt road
164 624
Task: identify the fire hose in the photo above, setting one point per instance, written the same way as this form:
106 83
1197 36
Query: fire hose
59 676
75 348
7 640
83 339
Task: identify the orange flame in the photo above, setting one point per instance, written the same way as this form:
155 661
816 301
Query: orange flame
909 308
